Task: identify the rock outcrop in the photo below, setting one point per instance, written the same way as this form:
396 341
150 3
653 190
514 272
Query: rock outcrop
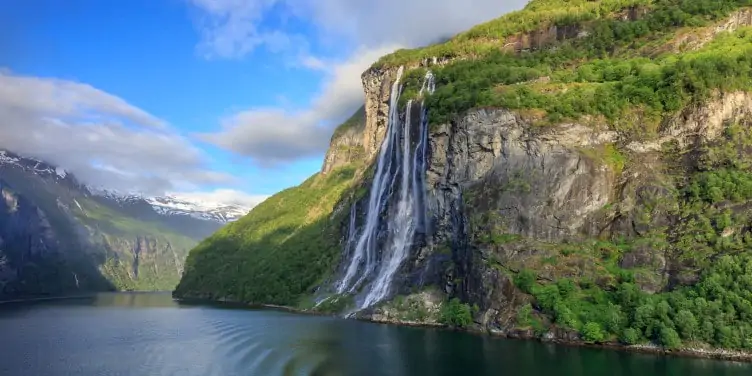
346 146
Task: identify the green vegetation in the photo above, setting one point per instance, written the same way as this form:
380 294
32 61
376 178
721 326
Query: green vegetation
274 255
416 307
600 18
608 154
621 71
485 38
607 88
138 255
356 121
709 244
717 311
455 313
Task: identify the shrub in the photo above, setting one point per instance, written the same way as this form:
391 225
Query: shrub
455 313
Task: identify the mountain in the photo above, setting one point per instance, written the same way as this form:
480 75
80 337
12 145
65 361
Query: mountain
180 206
206 210
578 171
192 217
57 237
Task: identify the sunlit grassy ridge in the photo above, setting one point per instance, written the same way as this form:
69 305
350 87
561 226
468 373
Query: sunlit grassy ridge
609 88
278 251
599 16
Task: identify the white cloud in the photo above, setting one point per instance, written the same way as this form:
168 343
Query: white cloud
274 135
101 138
410 23
232 28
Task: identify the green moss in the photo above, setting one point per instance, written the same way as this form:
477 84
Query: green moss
356 121
413 308
607 154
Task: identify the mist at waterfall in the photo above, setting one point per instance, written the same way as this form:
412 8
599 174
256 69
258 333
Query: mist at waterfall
396 203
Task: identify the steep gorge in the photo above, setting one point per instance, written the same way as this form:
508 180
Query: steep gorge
592 190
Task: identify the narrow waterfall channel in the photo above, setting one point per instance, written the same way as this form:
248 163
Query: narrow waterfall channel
396 204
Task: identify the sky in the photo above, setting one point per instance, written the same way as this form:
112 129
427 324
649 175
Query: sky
227 99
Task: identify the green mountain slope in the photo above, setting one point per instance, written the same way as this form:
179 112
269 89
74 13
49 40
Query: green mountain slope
285 246
589 176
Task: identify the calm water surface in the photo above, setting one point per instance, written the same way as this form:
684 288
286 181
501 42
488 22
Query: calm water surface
149 334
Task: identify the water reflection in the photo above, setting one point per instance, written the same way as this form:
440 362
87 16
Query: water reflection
140 334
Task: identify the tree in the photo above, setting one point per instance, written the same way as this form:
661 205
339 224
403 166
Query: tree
592 332
687 324
455 313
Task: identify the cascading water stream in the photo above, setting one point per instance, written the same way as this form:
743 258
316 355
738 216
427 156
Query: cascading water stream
419 164
402 226
364 249
398 167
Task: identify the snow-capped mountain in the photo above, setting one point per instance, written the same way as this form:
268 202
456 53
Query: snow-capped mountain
34 165
173 205
215 211
179 206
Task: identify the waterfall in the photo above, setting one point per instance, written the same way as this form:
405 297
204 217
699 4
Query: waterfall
419 163
396 203
364 249
401 226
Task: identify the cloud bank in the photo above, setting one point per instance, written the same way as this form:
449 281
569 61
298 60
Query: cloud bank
234 28
102 139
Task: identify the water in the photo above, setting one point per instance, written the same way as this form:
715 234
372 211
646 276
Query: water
148 334
365 252
403 166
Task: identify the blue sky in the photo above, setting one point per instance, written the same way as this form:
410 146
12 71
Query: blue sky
249 90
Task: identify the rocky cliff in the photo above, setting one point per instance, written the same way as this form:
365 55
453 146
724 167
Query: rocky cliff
57 238
591 186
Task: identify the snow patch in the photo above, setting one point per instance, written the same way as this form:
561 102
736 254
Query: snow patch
179 206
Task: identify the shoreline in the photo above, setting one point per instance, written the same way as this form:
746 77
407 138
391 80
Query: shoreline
46 299
82 296
650 349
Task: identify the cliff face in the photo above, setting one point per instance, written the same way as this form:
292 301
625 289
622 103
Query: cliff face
56 238
346 146
510 194
502 194
493 173
590 186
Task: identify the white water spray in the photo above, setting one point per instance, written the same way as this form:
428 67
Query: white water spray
364 249
402 227
405 209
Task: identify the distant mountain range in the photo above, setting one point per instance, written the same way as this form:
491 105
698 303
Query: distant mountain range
173 205
168 205
60 236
